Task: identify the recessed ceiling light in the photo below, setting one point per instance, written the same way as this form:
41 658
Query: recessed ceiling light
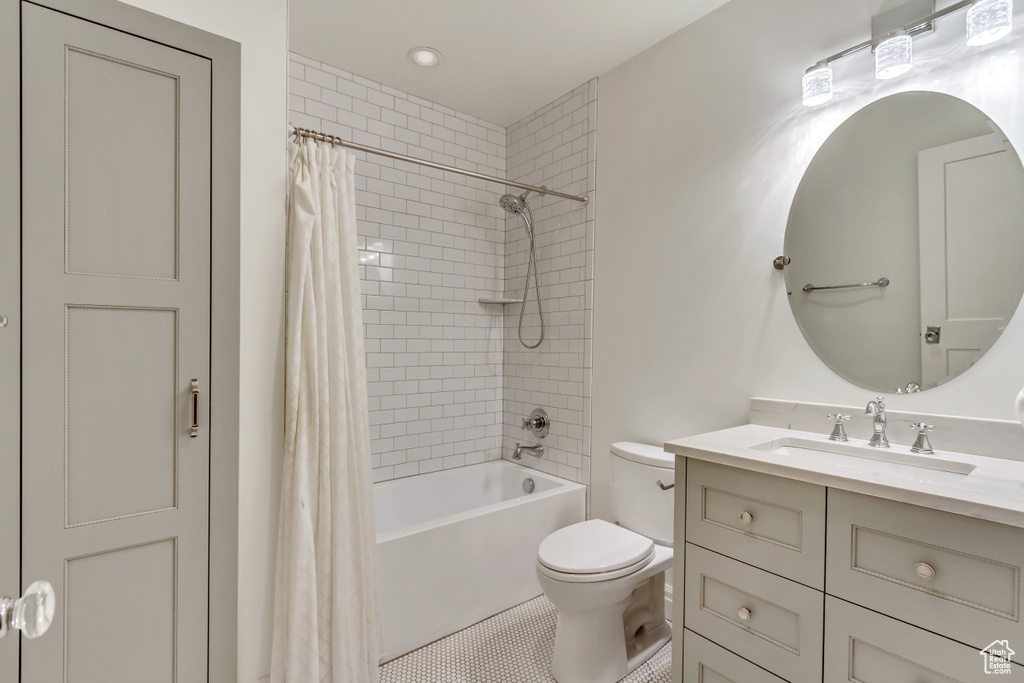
424 56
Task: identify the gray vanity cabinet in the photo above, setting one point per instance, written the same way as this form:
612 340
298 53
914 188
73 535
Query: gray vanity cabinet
904 594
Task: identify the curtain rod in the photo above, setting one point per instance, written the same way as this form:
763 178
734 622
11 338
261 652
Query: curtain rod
335 140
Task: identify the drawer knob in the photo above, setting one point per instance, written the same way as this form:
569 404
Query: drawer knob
743 613
746 518
925 571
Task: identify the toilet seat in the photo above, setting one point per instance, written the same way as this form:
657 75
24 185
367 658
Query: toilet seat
594 550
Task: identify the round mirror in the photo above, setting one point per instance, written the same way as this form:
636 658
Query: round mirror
906 242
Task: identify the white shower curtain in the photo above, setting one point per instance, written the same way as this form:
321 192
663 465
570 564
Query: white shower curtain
325 608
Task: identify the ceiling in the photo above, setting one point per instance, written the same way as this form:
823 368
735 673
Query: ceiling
502 60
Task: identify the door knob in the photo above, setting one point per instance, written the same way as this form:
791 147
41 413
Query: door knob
32 613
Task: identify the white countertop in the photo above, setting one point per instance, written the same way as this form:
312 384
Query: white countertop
993 491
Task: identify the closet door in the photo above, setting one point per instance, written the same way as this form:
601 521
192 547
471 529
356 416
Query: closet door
115 351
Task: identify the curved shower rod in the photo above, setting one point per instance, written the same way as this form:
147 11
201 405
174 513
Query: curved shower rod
335 140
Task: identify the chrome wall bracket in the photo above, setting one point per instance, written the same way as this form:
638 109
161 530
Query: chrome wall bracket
913 13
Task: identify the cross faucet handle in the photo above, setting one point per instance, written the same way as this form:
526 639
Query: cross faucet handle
537 423
921 443
839 432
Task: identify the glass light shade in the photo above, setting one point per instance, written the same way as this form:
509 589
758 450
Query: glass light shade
817 85
988 21
894 56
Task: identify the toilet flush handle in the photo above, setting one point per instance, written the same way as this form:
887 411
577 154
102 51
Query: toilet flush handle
665 488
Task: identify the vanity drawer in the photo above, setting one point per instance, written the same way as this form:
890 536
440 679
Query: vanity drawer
706 662
771 621
772 522
882 553
867 647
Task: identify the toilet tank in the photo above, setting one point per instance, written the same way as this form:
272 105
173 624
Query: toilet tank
637 502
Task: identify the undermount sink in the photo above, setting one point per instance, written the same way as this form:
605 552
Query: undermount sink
863 458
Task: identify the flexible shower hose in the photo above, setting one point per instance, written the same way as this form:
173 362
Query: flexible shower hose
531 264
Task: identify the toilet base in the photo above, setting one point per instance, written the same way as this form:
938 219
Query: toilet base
619 627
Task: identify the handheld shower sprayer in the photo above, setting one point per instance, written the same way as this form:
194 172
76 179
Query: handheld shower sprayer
513 204
518 206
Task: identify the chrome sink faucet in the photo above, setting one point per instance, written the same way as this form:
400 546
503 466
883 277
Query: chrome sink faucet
876 409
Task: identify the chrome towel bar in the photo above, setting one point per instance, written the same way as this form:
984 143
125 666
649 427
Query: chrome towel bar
880 282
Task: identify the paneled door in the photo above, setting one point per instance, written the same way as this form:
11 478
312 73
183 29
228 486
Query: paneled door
115 351
970 213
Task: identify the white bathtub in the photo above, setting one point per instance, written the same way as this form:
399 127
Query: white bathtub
458 546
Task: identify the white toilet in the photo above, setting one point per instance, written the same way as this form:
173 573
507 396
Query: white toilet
608 580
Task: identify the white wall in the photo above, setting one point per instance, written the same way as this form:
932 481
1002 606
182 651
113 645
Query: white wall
261 28
703 143
431 243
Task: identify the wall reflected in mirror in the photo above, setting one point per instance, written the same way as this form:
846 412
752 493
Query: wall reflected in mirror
921 189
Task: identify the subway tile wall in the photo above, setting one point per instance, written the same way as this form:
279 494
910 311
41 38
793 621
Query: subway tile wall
431 243
555 147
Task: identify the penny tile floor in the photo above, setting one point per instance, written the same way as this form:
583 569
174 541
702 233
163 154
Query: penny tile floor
513 646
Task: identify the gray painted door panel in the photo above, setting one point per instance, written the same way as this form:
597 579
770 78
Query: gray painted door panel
116 291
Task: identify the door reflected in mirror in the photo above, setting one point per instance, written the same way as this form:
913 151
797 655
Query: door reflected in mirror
918 201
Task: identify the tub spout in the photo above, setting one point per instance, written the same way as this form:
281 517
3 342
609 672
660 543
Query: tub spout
536 449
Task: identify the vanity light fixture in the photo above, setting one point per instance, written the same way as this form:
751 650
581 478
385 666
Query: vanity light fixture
894 56
424 56
892 34
817 84
988 21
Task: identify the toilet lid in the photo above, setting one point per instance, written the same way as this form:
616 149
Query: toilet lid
593 547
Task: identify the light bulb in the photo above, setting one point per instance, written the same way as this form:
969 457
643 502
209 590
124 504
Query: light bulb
424 56
817 85
894 56
988 21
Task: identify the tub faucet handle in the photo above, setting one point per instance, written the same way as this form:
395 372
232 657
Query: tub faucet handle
537 423
839 432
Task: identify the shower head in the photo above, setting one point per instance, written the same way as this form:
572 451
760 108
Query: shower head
513 204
